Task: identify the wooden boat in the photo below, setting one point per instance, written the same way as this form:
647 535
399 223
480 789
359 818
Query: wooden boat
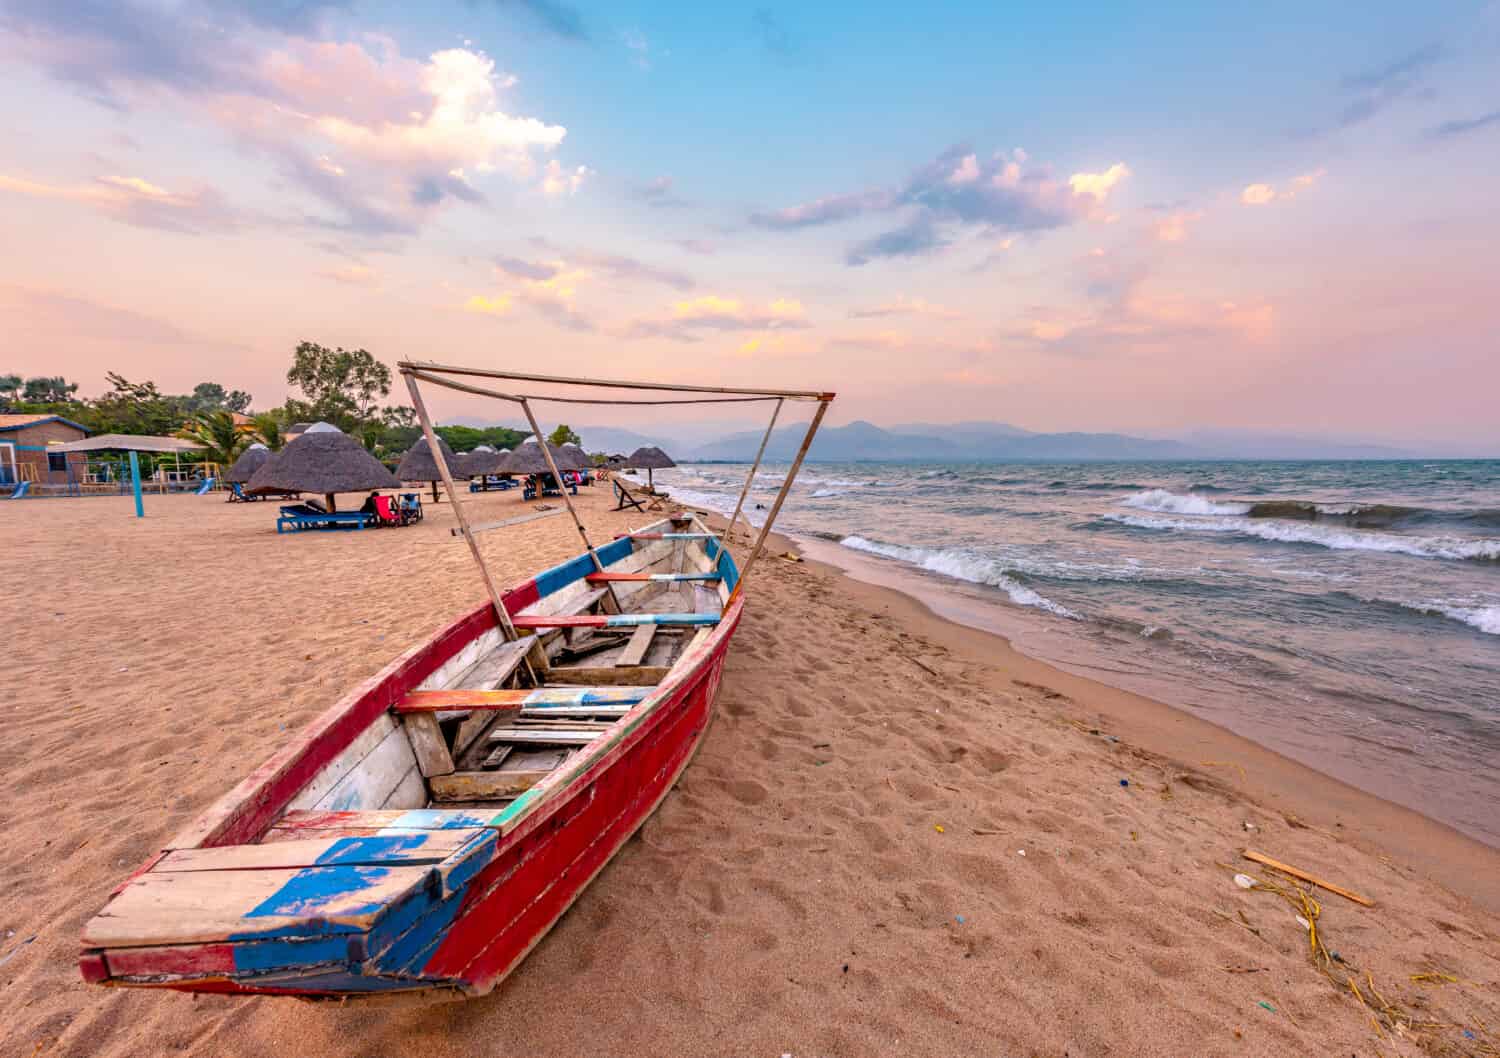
424 834
427 831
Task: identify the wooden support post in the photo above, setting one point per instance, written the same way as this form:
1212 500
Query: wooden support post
536 431
506 627
728 536
786 487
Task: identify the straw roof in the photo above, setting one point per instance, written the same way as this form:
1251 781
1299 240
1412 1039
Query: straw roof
528 459
483 459
250 460
418 465
649 457
324 459
575 455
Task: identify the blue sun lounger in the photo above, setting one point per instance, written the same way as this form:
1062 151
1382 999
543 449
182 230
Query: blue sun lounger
299 517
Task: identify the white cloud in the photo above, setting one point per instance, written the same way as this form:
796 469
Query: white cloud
1098 185
1262 194
559 181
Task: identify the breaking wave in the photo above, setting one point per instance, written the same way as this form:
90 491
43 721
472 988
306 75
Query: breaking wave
962 565
1484 618
1337 539
1173 503
1354 515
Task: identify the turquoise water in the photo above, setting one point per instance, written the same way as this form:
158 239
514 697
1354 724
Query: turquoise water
1344 613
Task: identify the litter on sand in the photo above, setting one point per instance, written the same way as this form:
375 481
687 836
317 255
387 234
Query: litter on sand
1244 881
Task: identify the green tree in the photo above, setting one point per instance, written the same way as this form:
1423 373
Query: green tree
136 407
564 435
268 428
55 390
10 389
342 386
220 436
207 396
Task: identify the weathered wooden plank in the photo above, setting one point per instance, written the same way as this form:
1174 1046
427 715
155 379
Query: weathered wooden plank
497 757
428 743
484 527
617 620
495 667
706 599
611 577
530 712
502 700
484 785
370 782
412 847
341 765
410 791
187 906
640 642
396 819
512 699
463 659
554 736
609 675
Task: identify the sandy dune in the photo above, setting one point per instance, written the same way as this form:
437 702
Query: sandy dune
840 872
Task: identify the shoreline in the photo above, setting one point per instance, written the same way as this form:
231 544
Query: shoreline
1442 853
898 834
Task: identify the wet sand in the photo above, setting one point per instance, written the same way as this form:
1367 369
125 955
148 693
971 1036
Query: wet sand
839 872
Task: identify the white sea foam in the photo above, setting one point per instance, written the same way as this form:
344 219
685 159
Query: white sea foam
1174 503
1484 618
962 565
1337 539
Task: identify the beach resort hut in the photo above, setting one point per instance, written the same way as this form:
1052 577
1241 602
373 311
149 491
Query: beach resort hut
528 459
418 465
649 458
326 460
250 460
25 455
473 462
577 456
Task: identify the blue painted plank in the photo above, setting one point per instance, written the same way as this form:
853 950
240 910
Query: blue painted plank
628 620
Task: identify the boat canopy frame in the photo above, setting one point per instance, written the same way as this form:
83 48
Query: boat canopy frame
415 371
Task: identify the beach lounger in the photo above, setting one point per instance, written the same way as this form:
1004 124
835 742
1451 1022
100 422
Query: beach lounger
20 490
205 488
625 498
299 516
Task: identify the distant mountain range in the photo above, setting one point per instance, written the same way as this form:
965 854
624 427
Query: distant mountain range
932 443
983 441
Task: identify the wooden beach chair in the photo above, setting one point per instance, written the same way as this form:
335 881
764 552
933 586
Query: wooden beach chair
625 498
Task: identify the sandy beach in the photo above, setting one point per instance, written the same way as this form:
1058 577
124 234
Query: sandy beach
899 837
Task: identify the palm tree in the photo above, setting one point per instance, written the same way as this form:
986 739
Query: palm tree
268 428
219 434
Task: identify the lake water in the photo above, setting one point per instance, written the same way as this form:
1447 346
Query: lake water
1346 614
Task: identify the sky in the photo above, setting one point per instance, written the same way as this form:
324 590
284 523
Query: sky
1280 218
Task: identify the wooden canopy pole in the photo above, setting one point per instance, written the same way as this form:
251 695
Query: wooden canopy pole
506 627
739 504
786 487
536 431
425 367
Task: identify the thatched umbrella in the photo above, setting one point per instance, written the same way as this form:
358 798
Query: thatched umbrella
649 458
528 459
576 456
418 465
326 460
250 460
483 461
